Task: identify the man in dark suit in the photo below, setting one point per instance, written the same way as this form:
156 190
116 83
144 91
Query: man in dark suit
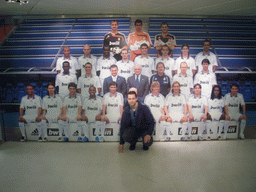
121 82
140 82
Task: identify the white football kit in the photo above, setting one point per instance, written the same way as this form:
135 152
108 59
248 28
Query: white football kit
82 60
62 82
155 103
201 56
169 64
92 107
125 69
215 108
186 84
85 82
190 63
73 64
147 65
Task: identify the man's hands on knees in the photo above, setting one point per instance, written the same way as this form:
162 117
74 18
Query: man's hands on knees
121 148
147 138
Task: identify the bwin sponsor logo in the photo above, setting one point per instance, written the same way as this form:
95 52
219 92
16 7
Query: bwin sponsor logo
176 105
31 107
72 106
64 84
85 86
204 82
92 108
114 43
108 132
196 106
52 132
184 85
113 105
231 129
52 106
146 66
215 107
194 130
105 67
156 105
128 71
234 105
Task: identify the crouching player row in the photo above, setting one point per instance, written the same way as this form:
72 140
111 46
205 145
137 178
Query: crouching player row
54 110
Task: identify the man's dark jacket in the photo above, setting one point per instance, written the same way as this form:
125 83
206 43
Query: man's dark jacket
144 121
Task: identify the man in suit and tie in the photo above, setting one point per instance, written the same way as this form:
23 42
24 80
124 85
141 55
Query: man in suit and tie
140 82
121 82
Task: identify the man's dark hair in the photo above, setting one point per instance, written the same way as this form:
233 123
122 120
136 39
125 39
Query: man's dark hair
87 63
132 93
164 23
206 61
234 85
138 21
71 85
143 44
220 93
30 85
185 45
159 64
198 85
113 66
65 62
113 83
207 40
113 21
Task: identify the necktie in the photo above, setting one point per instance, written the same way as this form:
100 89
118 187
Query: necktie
137 81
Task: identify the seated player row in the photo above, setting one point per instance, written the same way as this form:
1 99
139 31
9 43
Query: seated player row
101 65
175 108
73 109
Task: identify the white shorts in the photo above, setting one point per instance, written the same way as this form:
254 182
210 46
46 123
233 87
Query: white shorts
71 118
51 118
215 116
197 116
235 116
176 117
30 118
112 118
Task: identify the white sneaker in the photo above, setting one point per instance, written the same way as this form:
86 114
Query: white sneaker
102 139
241 136
219 138
208 138
200 138
60 139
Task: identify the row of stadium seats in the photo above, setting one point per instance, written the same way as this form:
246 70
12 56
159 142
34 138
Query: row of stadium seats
13 94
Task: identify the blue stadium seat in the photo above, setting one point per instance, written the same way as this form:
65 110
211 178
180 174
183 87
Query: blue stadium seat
248 91
224 87
36 89
8 93
43 89
20 91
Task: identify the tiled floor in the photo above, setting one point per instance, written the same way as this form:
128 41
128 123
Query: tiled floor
174 166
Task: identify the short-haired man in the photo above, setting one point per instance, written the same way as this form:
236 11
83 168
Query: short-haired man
176 107
120 81
74 67
115 40
91 112
206 54
87 58
233 100
155 102
137 121
185 81
146 62
32 105
125 65
104 63
137 38
140 82
87 80
164 80
63 79
206 79
72 112
169 62
164 39
113 102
